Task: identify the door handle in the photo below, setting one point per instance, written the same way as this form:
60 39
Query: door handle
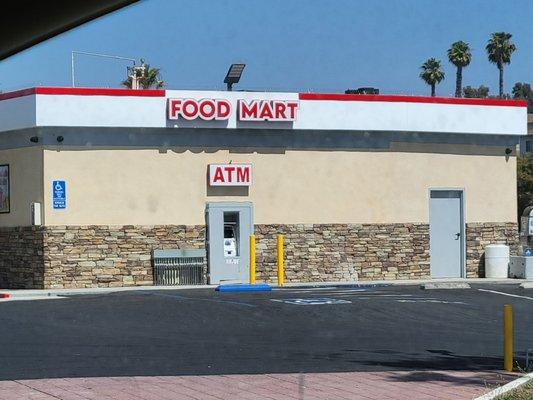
457 236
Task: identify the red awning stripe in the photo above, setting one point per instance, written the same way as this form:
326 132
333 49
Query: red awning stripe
67 91
411 99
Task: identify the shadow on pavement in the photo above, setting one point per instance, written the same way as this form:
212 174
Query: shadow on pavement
440 360
490 378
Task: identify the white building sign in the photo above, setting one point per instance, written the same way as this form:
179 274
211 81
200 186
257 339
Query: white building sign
230 174
221 110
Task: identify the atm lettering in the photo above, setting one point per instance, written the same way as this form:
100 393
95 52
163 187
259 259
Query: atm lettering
230 174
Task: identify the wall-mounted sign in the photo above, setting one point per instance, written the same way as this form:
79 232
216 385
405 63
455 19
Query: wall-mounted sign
267 110
59 195
206 109
230 174
4 189
221 110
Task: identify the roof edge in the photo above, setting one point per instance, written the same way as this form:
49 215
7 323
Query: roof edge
412 99
73 91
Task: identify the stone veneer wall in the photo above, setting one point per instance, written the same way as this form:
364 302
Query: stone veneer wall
103 256
106 256
344 252
478 235
21 258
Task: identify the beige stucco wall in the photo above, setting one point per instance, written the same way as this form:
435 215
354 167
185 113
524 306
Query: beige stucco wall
148 187
26 183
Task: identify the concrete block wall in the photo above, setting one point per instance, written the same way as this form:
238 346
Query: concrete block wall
107 256
344 252
479 235
21 258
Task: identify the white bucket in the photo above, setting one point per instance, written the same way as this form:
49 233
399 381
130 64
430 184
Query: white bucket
496 261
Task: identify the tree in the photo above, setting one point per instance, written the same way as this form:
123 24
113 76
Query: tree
482 92
523 91
147 77
525 182
432 73
499 50
459 55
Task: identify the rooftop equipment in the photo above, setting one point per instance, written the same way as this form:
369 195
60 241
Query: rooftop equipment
233 75
362 90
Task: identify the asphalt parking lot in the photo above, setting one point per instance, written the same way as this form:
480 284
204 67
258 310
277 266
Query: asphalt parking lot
196 332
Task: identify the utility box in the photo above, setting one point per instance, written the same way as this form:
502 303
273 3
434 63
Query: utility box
526 231
521 267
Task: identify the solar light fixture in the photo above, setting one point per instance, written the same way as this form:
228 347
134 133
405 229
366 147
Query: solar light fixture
233 75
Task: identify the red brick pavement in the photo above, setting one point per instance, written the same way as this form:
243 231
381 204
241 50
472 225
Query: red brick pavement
396 385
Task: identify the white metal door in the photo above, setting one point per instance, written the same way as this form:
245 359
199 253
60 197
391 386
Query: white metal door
446 234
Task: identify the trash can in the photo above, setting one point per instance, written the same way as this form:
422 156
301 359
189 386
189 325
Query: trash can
496 261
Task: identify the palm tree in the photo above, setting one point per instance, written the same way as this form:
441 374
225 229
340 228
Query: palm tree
432 74
499 50
147 77
460 56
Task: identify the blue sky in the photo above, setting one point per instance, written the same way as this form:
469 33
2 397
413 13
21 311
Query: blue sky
290 45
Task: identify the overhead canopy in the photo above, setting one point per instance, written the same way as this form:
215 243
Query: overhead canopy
24 23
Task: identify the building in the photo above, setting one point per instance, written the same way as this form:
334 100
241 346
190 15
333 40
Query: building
526 142
92 181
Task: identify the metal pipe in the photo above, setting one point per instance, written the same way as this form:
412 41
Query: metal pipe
85 53
252 259
508 337
281 272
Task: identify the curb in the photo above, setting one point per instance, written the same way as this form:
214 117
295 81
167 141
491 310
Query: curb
506 388
42 293
259 287
445 285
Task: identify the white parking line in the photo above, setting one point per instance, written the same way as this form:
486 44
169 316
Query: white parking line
377 295
429 301
506 294
322 290
338 293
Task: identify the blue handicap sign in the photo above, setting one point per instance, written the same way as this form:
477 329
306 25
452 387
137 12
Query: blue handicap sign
528 252
59 194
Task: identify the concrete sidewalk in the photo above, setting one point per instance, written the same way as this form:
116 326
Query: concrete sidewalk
395 385
36 294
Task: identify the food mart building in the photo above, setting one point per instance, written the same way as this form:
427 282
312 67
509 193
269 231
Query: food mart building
362 187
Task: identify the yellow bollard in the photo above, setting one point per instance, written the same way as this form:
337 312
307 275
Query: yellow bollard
252 259
508 337
281 272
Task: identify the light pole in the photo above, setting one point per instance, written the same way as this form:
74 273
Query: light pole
84 53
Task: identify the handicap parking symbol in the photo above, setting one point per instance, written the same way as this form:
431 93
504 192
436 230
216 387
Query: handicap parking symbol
59 194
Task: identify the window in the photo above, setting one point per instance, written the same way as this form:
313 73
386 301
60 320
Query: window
529 146
231 234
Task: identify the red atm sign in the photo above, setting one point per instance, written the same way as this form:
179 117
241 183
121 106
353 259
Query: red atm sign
230 174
